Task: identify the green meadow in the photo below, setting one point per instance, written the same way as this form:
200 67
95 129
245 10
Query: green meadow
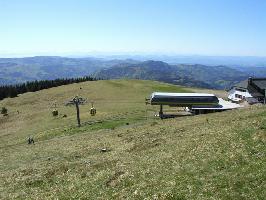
124 152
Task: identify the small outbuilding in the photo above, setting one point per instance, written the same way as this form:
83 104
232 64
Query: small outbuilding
251 90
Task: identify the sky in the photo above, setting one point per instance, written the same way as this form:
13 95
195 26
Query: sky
183 27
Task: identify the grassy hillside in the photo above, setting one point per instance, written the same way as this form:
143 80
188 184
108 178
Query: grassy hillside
114 101
214 156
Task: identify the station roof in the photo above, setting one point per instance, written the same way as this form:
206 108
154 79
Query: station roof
255 86
168 94
259 82
242 84
223 105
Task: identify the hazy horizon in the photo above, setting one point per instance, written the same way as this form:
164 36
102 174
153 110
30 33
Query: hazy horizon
122 54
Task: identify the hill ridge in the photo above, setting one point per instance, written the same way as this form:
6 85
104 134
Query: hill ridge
216 77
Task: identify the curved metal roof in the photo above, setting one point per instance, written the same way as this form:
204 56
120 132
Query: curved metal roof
168 94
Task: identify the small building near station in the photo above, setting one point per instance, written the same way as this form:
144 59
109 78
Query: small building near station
251 90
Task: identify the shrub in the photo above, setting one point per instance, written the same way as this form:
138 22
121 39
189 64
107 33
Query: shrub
4 111
55 112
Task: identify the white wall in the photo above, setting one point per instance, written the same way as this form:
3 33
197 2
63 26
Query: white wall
234 91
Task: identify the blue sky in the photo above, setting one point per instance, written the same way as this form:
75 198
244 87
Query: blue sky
186 27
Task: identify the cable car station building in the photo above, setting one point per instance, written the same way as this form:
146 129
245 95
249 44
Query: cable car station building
196 103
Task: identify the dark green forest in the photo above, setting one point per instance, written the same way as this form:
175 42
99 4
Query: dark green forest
33 86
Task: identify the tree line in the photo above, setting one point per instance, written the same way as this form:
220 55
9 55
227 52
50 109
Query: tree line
33 86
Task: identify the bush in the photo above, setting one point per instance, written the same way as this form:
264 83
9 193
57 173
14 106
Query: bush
4 111
55 112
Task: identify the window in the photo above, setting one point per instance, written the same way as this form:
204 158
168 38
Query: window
239 96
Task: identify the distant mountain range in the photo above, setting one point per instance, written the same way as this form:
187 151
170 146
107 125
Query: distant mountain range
219 77
232 61
17 70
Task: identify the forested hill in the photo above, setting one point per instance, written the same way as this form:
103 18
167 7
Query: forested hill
18 70
21 70
219 77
